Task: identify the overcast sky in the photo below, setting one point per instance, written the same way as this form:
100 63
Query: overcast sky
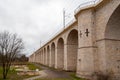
35 20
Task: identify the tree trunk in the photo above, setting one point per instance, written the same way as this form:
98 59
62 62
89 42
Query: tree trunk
4 74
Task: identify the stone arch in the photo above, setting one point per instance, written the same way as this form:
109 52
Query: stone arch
36 57
48 55
113 26
112 10
102 15
72 50
112 43
45 59
40 56
60 53
43 55
53 54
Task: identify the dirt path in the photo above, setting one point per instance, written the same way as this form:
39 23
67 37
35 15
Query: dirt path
51 73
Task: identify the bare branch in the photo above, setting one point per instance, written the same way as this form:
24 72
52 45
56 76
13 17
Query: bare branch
10 46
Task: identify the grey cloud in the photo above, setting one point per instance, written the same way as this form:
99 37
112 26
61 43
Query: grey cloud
33 20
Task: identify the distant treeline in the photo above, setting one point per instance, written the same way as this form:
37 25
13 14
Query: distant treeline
21 59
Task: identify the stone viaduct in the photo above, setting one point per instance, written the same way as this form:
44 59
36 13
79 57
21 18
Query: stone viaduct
89 45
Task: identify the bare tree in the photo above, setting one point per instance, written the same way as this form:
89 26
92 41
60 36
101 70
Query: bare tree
10 46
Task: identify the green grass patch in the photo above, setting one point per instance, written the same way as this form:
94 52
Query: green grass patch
33 66
54 79
74 77
60 79
12 75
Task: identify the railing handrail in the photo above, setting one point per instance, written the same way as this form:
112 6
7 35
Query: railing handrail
86 4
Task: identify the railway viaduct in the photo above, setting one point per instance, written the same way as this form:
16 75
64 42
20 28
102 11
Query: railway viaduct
90 45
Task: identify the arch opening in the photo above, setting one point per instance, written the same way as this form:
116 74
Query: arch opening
48 55
112 42
72 50
45 56
42 56
60 54
39 57
53 55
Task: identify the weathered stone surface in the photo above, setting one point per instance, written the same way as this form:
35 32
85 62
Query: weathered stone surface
94 50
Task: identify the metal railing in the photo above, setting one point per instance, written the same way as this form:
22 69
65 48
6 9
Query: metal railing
86 5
